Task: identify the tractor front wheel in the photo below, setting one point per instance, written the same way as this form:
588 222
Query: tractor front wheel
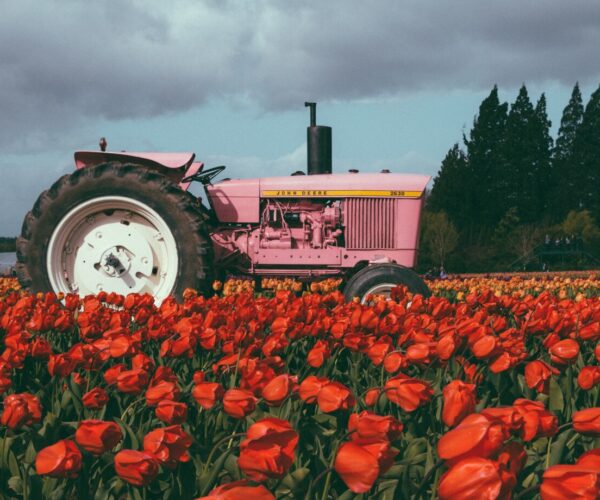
379 279
117 228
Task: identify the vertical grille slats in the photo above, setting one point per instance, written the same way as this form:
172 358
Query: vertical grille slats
370 223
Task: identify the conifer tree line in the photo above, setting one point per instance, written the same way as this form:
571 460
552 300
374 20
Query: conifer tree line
509 186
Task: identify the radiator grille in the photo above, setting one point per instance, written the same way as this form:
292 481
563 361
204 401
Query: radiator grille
370 223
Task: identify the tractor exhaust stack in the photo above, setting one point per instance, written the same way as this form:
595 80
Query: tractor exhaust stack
318 144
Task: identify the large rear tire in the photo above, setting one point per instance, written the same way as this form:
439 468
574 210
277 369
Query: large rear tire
117 228
379 279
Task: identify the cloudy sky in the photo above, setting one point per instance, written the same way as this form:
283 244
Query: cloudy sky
399 81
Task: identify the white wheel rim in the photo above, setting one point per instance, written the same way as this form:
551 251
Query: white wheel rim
113 244
383 289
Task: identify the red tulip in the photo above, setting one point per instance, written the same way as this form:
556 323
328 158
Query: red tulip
268 450
143 362
207 394
537 375
162 390
564 352
372 396
507 415
587 421
588 377
459 401
111 374
334 396
537 421
471 478
570 481
590 332
318 354
408 393
171 412
238 403
310 388
95 399
239 490
475 436
590 459
367 425
394 361
278 389
62 459
168 445
21 409
359 465
136 467
97 436
132 381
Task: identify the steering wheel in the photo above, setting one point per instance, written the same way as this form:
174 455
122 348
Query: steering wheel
205 176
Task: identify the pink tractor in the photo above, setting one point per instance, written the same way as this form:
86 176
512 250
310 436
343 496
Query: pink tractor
124 222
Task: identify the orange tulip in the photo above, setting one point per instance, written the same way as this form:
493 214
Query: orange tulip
471 478
459 401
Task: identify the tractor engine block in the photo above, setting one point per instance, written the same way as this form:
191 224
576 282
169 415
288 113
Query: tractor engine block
301 224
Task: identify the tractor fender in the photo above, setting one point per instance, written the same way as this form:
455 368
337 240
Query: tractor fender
176 166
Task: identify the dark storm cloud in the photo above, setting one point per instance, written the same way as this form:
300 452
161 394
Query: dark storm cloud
65 62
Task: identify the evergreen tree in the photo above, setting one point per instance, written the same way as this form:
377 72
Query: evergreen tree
486 180
587 158
448 193
542 161
564 167
520 155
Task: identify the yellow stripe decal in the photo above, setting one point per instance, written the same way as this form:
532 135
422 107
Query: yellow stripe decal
333 193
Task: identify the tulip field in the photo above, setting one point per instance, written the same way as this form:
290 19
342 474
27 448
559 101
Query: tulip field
489 389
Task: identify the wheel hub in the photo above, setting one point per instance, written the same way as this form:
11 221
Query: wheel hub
115 261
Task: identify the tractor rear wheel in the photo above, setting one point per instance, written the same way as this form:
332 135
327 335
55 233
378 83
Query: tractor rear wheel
379 279
115 227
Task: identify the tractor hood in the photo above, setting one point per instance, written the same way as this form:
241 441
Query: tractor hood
344 186
238 200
